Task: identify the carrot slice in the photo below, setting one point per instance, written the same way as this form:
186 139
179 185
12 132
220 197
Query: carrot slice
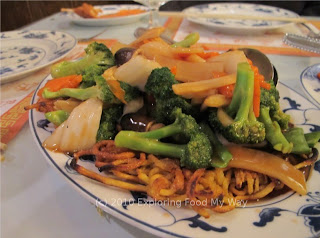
173 70
227 90
207 55
265 85
71 81
117 90
256 97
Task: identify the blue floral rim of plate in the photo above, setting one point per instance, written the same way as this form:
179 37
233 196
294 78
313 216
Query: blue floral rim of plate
23 52
242 9
311 83
303 210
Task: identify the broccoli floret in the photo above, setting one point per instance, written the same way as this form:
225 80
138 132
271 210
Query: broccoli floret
88 80
188 41
195 154
89 74
270 98
274 134
96 54
221 155
107 129
244 127
131 93
159 86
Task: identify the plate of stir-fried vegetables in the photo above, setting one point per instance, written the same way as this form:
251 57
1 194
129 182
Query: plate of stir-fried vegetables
181 141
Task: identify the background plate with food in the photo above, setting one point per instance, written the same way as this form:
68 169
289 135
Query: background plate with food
239 26
110 15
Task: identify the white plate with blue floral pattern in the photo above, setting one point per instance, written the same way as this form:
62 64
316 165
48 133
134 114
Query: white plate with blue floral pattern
235 26
289 214
110 9
311 82
24 52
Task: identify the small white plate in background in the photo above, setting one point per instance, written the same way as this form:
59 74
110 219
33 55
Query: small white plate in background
311 83
24 52
235 26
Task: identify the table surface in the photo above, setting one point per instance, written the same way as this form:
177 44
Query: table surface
36 201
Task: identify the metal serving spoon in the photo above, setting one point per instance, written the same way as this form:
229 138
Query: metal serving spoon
263 63
260 59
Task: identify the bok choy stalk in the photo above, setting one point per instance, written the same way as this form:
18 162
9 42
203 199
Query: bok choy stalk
79 131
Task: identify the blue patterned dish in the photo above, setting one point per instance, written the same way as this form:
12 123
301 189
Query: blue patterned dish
311 83
110 9
234 26
289 213
23 52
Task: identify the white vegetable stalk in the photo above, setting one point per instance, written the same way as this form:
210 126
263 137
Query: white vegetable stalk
79 131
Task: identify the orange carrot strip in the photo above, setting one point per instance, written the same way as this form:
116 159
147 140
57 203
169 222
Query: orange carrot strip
173 70
259 77
71 81
207 55
256 98
264 85
227 90
117 90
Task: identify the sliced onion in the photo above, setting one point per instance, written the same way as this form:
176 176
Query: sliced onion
270 165
136 71
66 105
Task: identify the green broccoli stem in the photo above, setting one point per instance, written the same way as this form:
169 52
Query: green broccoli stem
77 93
273 132
137 141
163 132
74 67
96 54
188 41
221 155
57 117
241 102
195 154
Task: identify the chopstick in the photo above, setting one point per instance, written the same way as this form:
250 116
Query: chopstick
232 16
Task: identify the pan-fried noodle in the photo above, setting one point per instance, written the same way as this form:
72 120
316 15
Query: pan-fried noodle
219 190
